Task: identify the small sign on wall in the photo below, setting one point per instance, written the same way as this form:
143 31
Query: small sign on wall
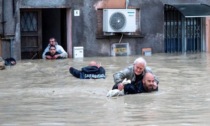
76 12
147 51
120 49
78 52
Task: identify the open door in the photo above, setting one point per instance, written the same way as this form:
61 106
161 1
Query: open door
31 34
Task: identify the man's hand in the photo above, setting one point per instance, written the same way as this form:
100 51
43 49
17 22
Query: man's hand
56 56
120 86
98 65
155 86
48 57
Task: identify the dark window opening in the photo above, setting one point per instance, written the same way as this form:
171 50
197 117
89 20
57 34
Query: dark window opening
54 25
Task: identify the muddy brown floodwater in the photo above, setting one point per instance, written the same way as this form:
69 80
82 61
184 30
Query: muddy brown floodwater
43 93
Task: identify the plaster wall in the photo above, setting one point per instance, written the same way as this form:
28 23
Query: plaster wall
151 23
9 17
44 3
84 27
8 31
1 18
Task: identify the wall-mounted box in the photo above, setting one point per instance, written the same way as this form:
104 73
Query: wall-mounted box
120 49
147 51
78 52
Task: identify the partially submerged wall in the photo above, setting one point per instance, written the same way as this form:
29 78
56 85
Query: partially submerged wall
84 28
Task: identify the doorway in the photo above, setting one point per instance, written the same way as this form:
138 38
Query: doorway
37 26
181 34
31 33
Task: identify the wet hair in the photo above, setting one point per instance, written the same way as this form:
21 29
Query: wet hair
56 43
53 38
140 60
52 46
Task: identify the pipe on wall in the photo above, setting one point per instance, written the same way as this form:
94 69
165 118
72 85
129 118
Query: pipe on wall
127 3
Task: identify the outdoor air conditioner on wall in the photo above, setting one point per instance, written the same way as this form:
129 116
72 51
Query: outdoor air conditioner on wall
119 20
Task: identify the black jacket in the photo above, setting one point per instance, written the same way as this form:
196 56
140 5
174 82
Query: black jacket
135 88
89 72
10 61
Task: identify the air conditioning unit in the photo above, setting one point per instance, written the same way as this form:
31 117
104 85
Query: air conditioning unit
119 20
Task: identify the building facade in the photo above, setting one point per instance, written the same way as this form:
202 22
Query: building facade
165 26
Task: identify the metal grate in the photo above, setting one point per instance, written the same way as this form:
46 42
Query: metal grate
181 34
173 30
29 21
193 34
117 21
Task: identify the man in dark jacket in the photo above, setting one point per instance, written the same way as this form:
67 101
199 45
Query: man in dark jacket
146 85
10 61
6 62
93 71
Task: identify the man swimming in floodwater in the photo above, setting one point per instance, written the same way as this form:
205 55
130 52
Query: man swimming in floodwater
94 70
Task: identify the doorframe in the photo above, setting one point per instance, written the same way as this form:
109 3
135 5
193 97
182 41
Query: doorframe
0 48
207 34
69 32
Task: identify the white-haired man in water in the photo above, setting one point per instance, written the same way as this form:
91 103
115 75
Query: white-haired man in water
135 73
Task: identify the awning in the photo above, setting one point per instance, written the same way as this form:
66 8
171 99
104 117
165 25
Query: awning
193 10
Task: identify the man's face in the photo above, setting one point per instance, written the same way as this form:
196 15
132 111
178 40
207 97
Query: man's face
52 50
139 68
52 41
148 82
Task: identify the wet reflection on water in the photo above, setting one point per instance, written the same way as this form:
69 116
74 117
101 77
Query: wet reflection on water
43 93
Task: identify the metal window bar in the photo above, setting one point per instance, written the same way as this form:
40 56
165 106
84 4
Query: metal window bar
173 32
193 34
29 21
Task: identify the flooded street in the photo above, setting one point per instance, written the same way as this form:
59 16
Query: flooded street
43 93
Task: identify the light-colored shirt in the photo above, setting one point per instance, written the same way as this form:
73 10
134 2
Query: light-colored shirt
59 49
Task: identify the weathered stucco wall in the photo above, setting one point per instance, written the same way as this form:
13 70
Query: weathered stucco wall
151 24
84 27
9 21
1 20
44 3
9 17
